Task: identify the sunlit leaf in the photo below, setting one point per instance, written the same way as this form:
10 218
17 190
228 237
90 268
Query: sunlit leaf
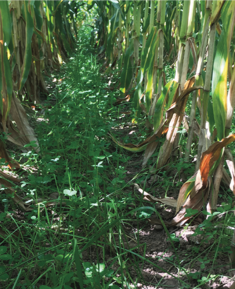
167 93
69 193
220 70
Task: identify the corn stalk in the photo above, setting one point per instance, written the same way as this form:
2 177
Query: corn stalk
31 40
209 88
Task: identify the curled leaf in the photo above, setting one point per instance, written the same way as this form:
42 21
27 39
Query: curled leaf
148 197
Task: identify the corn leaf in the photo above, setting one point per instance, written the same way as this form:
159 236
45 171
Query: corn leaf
28 51
9 85
185 191
166 93
209 157
127 71
38 15
220 71
130 147
149 89
149 50
6 19
5 71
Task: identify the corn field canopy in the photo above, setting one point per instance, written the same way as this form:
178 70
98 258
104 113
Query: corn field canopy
176 66
117 144
35 36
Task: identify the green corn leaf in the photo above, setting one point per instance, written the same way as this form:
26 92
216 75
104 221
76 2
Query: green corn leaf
219 87
6 20
211 116
138 90
149 89
174 86
149 51
117 7
66 44
5 71
185 191
38 15
127 71
220 70
28 51
203 7
8 78
147 59
146 25
167 92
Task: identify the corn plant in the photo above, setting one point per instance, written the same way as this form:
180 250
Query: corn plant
201 34
35 36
